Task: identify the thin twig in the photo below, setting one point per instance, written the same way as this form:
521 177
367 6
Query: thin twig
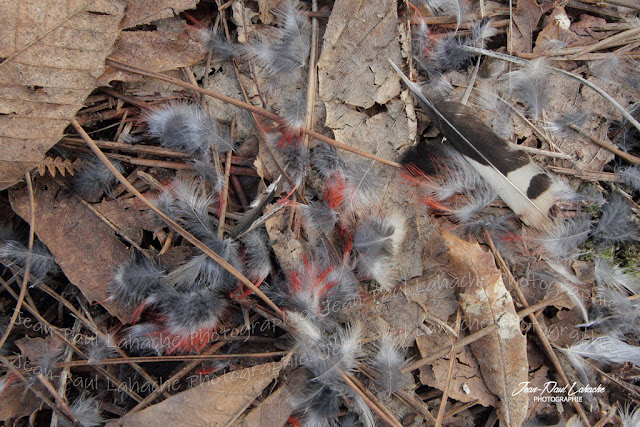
587 175
623 36
59 400
176 377
131 100
349 382
224 197
447 387
64 375
121 386
182 358
372 396
94 328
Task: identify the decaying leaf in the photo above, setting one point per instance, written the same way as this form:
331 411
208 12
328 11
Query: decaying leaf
218 402
168 47
144 11
436 297
466 384
14 405
502 356
275 410
86 249
353 67
526 19
38 350
53 53
556 33
38 356
288 249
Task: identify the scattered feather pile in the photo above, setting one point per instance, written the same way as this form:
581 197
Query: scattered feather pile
329 355
189 301
350 186
322 233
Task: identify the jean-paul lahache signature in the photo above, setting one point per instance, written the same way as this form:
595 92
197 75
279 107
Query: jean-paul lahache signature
551 387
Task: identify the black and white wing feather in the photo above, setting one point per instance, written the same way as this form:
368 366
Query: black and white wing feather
519 182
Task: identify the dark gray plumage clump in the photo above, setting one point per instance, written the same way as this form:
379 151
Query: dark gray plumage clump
94 179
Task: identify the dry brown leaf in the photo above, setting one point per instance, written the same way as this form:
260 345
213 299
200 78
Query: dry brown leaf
47 75
353 68
466 384
168 47
287 248
144 11
131 216
502 356
556 29
526 19
276 409
17 402
39 350
224 82
86 249
436 296
15 405
218 402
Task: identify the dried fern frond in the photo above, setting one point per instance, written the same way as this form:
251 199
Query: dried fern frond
58 165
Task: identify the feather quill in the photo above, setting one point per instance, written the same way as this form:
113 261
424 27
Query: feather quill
521 184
